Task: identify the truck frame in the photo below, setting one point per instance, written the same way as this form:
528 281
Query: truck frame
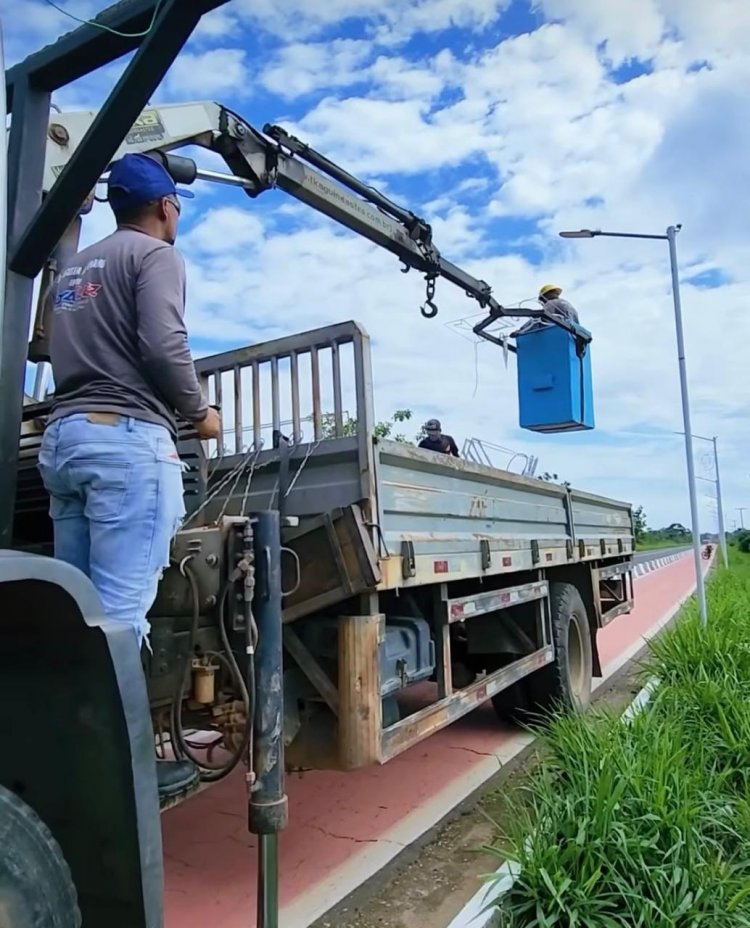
388 548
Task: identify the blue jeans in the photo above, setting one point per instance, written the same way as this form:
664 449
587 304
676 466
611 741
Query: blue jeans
115 487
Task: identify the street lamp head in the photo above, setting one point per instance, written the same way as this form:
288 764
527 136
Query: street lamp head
580 233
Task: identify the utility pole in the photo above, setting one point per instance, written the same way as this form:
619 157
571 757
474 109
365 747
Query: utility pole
742 509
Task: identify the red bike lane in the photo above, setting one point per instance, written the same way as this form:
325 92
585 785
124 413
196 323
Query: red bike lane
345 826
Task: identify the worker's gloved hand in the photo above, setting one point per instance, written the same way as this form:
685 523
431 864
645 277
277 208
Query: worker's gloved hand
210 427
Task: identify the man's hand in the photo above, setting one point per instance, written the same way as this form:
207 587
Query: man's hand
210 427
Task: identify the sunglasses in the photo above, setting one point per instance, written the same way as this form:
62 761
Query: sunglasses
176 203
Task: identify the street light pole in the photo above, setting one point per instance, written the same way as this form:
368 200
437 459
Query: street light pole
692 490
670 237
722 531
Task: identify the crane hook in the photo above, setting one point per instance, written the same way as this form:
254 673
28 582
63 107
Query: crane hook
429 309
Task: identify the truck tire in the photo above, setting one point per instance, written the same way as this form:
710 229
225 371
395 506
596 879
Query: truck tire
36 888
565 684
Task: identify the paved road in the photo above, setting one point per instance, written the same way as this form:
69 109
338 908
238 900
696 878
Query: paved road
346 826
652 554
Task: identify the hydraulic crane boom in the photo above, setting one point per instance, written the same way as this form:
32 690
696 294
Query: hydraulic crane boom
260 161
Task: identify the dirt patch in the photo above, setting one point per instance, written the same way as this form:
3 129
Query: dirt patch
430 882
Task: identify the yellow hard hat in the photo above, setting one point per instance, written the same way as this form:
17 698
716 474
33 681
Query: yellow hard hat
548 288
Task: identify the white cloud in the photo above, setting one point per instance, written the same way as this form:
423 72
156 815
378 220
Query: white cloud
202 75
629 28
296 19
218 24
302 67
392 136
637 28
430 16
221 227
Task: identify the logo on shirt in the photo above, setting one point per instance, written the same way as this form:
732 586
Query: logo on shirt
69 299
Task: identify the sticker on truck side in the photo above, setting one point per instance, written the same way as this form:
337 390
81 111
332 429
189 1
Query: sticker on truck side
147 128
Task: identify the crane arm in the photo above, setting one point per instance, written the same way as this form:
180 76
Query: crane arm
261 161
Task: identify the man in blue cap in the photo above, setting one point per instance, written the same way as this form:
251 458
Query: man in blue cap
123 372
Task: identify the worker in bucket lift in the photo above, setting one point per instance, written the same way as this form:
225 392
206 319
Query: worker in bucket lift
123 370
550 298
436 440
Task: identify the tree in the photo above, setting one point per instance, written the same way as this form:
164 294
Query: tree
383 429
639 523
677 531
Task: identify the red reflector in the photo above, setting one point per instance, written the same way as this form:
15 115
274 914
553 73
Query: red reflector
440 567
507 561
457 610
505 597
548 556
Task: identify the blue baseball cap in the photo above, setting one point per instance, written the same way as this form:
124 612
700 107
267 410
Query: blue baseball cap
136 179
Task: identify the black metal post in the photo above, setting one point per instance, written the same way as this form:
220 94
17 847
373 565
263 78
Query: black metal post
268 807
282 443
26 151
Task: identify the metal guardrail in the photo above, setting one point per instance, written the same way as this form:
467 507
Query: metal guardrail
304 378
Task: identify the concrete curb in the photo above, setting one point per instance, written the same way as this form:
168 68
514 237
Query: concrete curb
476 913
646 567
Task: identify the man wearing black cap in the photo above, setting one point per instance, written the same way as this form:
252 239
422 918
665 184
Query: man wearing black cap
436 441
123 371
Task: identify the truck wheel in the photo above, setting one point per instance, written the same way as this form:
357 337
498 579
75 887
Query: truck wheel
36 888
565 684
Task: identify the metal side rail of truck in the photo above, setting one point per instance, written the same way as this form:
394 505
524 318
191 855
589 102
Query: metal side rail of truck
416 585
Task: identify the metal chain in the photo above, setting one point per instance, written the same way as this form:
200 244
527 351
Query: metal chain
429 308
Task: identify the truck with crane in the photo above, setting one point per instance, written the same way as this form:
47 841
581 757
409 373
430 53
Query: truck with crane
333 599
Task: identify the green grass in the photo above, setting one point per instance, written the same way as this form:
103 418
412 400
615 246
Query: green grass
650 544
647 825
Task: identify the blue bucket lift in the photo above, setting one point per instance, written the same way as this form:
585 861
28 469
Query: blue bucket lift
554 380
554 370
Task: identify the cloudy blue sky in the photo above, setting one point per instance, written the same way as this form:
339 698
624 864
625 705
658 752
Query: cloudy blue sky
502 122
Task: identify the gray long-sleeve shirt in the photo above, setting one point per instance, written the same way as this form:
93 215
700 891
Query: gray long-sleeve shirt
118 341
558 309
